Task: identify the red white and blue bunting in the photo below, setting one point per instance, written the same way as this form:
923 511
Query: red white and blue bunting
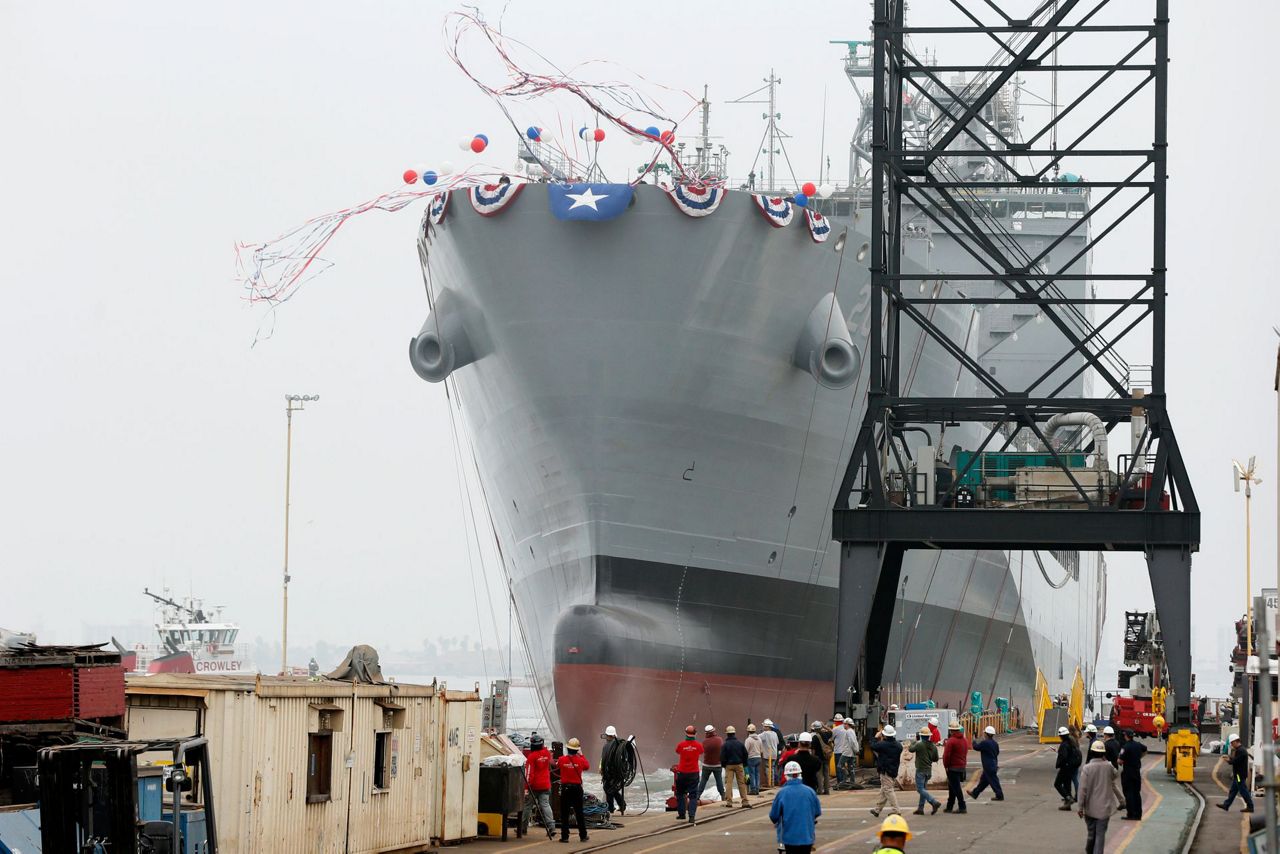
438 207
492 199
696 201
819 228
777 211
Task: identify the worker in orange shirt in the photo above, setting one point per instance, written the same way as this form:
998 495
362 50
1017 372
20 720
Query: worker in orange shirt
571 766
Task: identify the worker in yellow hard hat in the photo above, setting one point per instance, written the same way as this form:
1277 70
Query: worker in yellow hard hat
894 835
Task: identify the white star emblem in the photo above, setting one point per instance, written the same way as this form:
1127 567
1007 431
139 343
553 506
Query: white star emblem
587 199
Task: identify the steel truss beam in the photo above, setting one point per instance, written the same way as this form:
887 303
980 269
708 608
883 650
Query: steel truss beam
1155 513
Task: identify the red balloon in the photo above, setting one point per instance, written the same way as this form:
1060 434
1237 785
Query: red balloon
809 189
598 136
410 176
668 137
477 145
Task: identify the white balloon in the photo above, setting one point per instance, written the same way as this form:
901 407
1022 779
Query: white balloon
825 191
464 144
446 168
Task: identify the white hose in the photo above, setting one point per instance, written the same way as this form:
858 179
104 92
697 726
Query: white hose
1082 419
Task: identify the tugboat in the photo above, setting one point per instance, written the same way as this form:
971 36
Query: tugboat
191 641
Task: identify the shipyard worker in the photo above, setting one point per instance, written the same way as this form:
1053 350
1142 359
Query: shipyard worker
1091 733
888 751
795 812
894 835
689 751
955 761
538 762
771 741
926 753
613 763
733 756
838 739
810 765
755 755
571 766
1096 802
1131 753
711 767
1111 745
821 747
848 753
989 748
934 733
1067 763
1241 779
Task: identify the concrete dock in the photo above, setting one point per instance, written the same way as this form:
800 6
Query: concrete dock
1028 820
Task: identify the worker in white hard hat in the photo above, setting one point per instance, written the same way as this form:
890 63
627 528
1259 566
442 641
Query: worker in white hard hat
733 758
821 747
1067 764
615 760
989 748
840 737
1112 746
771 743
571 766
755 757
888 751
711 767
935 734
795 812
810 765
1095 805
1241 779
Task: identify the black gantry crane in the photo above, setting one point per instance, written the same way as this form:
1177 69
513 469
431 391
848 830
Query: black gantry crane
1113 122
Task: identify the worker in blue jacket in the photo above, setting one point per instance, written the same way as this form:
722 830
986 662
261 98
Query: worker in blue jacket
990 750
795 812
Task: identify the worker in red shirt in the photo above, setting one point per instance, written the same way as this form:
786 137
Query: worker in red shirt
538 764
935 734
955 761
690 752
571 766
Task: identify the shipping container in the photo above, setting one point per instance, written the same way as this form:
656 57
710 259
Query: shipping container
303 765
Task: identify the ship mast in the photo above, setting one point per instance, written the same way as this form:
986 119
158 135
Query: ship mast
772 134
704 153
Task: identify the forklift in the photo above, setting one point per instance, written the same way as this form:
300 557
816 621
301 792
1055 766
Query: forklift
96 797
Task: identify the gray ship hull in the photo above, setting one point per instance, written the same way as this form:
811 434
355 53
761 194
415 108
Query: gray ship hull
660 471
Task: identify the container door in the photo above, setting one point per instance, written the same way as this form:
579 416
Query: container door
459 772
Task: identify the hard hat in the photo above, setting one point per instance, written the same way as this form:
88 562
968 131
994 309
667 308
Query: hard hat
768 722
816 725
1063 731
609 730
1106 730
535 742
1235 736
954 725
689 730
839 718
990 730
934 720
573 744
889 730
751 727
1097 747
893 706
708 728
1091 728
895 824
806 737
729 730
792 769
924 730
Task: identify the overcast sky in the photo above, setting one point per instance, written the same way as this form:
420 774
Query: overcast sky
143 437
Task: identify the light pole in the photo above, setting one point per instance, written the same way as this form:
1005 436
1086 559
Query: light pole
1247 475
292 403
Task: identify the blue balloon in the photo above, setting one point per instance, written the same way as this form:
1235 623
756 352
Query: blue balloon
483 137
653 131
429 177
582 132
801 199
534 133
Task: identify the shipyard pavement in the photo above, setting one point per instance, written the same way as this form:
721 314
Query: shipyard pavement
1028 820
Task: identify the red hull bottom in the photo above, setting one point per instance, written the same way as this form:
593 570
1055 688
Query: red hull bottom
656 705
180 662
